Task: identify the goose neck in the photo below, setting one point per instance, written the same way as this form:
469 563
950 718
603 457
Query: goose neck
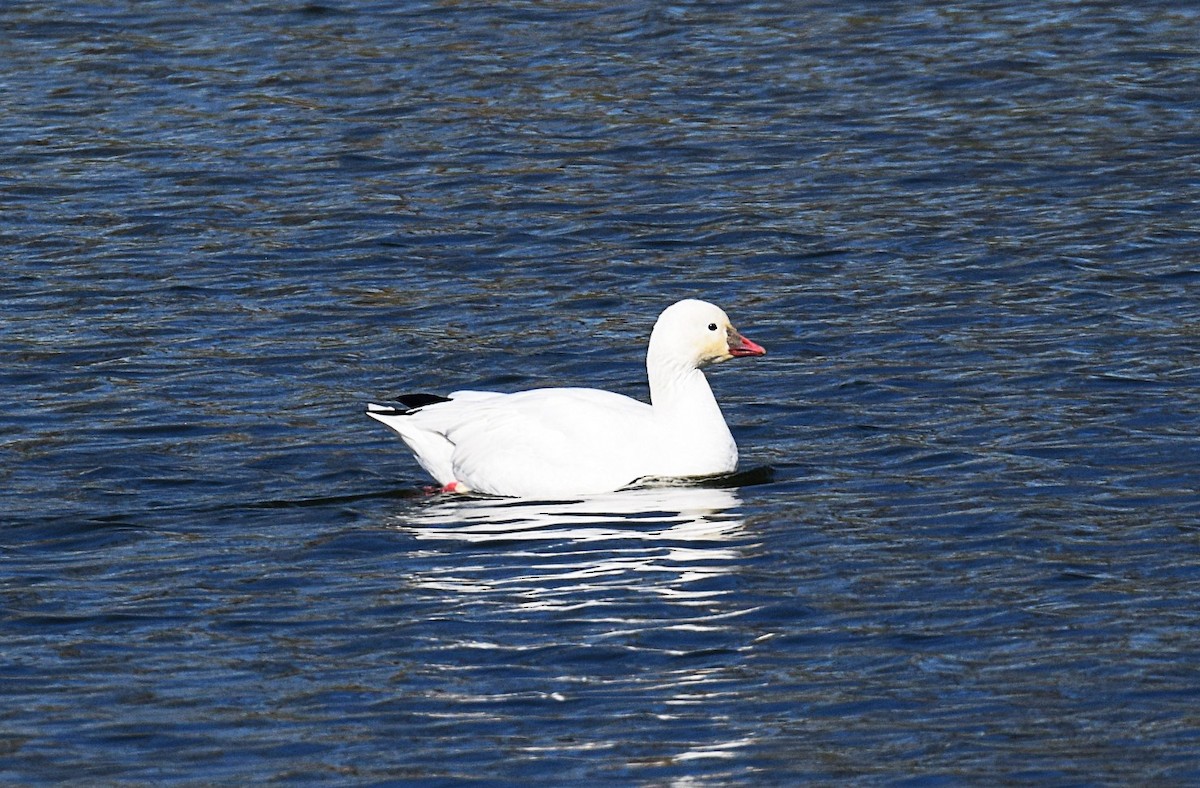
680 389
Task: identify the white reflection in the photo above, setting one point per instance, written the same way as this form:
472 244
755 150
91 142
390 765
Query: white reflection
645 513
587 553
588 596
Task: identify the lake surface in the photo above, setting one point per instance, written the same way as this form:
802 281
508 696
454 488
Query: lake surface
966 544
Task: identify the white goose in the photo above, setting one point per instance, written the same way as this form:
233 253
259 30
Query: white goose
556 442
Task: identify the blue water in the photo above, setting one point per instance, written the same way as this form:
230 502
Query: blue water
967 545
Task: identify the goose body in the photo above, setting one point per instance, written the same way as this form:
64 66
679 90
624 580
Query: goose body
555 442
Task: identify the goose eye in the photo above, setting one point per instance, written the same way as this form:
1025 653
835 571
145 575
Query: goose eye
712 326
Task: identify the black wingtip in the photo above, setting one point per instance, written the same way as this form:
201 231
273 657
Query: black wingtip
405 404
420 400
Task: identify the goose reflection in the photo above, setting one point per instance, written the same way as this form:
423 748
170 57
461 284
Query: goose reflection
646 513
622 598
674 541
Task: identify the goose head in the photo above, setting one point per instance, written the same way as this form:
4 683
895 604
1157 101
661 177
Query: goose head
694 334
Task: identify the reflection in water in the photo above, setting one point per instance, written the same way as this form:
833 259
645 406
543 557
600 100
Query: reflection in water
648 513
667 540
606 602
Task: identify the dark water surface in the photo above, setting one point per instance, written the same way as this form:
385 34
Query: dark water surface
969 547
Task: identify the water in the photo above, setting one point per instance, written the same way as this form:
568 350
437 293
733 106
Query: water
965 550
